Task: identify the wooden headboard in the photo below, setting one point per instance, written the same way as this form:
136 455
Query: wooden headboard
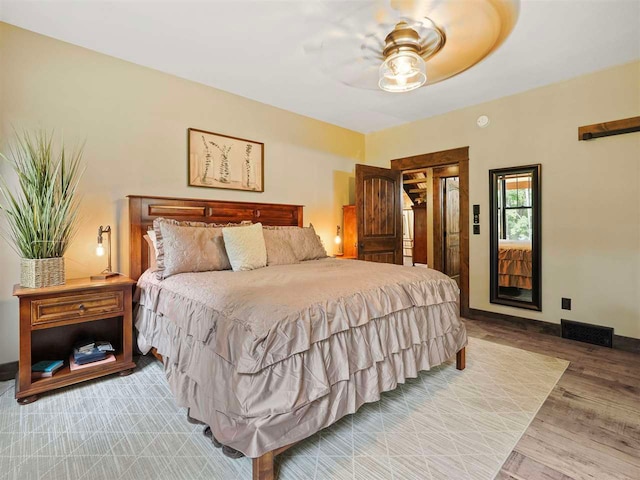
143 210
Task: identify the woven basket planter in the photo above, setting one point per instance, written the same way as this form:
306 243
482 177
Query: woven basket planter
38 273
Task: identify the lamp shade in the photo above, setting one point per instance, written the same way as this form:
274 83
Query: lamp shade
402 71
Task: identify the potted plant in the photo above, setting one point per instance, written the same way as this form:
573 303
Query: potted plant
42 210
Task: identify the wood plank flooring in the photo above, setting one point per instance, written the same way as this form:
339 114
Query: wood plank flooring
589 427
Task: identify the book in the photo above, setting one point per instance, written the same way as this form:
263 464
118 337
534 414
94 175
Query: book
105 347
75 366
95 356
90 356
84 346
48 366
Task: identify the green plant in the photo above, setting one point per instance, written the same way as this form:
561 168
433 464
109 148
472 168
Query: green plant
43 211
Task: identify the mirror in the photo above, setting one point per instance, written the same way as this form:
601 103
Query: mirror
515 236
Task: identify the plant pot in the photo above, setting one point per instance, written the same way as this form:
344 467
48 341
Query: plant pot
41 272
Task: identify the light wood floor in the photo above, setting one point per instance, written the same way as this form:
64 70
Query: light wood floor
589 427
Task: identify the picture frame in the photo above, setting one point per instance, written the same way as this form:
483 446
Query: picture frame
222 161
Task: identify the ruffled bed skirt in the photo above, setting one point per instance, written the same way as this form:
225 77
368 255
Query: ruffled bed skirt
515 268
290 400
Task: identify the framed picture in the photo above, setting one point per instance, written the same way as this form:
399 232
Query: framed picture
220 161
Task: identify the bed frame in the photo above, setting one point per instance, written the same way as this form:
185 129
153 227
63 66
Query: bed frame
142 212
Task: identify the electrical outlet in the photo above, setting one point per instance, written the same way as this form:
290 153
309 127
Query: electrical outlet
566 304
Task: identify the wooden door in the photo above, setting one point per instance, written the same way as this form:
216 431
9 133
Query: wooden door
440 174
451 211
379 214
420 233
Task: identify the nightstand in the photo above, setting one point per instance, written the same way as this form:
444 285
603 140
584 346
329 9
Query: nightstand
52 319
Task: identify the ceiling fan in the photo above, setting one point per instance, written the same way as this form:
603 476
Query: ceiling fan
401 45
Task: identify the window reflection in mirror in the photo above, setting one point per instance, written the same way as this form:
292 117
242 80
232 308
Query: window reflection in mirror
515 233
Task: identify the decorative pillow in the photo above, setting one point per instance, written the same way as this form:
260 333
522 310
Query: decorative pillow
189 247
279 249
305 242
153 263
245 247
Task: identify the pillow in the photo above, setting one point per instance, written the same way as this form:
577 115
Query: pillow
189 247
153 263
305 242
279 249
151 237
245 247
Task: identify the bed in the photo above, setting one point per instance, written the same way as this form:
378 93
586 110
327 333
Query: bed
514 264
269 357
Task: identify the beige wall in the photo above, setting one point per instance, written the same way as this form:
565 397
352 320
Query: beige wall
590 190
134 121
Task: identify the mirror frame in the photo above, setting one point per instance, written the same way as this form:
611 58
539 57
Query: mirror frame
536 257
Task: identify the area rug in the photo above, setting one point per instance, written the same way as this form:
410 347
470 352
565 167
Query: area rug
445 424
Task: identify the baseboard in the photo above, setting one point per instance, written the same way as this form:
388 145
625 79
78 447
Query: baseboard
8 371
519 322
626 344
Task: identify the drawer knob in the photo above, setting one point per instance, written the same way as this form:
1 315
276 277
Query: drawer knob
81 308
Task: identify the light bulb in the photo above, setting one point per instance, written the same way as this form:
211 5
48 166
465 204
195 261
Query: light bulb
402 72
338 240
402 66
100 250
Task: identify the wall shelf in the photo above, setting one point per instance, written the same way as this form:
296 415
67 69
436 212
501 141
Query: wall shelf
606 129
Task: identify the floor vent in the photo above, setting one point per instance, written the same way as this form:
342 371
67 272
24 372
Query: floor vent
585 332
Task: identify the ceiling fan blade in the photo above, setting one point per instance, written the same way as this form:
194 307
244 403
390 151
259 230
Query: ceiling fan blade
374 39
370 49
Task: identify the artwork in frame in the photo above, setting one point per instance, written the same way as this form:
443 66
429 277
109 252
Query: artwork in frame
221 161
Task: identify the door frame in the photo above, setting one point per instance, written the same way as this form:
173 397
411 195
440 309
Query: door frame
459 156
438 203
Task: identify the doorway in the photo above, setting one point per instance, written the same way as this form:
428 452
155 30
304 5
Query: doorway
450 171
431 219
417 225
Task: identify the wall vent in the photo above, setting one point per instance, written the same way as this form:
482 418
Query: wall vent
585 332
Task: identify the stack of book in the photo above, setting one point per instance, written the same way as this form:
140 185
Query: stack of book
45 368
90 353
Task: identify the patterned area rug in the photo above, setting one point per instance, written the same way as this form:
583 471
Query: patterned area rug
445 424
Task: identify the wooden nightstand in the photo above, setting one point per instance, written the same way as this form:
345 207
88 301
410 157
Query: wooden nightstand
52 319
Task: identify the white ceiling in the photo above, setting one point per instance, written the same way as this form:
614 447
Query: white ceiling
256 49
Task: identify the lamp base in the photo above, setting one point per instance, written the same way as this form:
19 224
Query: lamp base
104 275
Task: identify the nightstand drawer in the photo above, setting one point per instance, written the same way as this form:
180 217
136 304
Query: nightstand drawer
76 306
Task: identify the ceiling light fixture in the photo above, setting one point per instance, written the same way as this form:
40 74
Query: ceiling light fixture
400 45
403 68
